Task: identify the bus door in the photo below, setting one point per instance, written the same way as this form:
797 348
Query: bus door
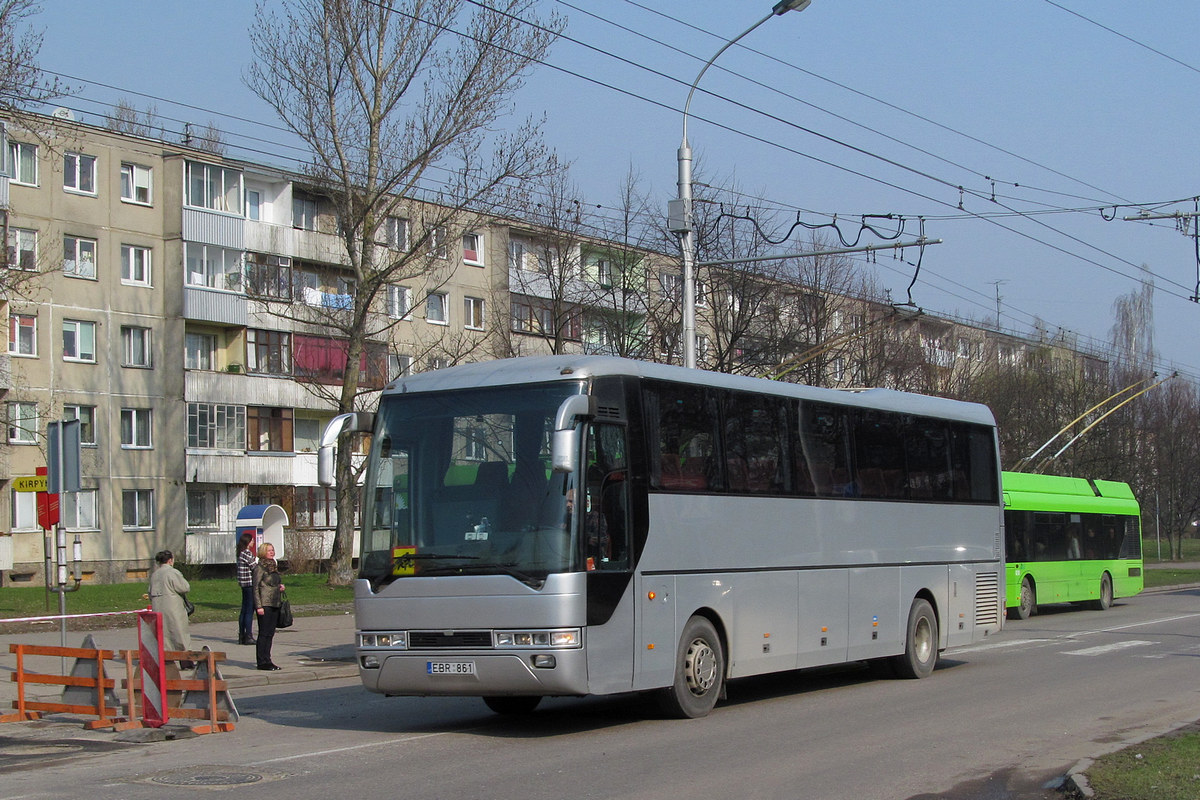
606 539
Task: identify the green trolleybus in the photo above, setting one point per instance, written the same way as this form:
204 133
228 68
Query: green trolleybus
580 525
1069 540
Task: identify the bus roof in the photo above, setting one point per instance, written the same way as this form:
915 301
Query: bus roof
544 369
1025 491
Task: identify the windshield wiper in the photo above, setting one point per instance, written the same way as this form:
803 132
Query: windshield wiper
508 569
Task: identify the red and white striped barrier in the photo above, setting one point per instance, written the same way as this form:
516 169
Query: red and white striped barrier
153 669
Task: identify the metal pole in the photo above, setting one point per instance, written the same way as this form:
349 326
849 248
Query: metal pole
679 213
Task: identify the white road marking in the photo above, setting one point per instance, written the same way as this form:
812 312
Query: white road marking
1105 649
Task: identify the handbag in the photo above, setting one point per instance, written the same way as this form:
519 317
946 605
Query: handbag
285 612
188 605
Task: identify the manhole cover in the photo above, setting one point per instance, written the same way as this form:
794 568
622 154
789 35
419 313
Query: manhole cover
207 777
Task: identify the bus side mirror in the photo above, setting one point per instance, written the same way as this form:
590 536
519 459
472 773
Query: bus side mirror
564 442
342 423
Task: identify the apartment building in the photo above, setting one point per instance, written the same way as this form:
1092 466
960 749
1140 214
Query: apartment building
181 312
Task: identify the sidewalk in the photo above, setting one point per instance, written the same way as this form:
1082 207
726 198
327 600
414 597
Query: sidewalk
315 648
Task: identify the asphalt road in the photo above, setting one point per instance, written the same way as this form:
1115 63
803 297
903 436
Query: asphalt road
997 720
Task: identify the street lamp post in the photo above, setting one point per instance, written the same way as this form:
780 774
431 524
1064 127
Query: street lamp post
679 211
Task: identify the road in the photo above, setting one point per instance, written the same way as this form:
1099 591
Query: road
996 720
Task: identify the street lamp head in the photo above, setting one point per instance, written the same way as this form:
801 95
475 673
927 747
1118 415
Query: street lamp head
784 6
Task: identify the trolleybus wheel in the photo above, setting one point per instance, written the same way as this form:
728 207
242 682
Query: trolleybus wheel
512 705
1106 593
699 672
921 645
1028 605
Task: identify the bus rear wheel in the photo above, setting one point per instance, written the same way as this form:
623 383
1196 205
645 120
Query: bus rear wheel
512 705
699 672
921 644
1028 604
1106 593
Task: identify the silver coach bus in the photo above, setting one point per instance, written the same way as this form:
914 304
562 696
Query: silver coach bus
574 525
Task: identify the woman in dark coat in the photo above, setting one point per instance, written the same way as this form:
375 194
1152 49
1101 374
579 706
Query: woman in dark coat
268 591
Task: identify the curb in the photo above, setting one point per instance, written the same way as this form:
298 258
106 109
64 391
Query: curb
304 674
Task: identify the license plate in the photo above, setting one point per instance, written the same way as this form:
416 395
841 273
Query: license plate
450 667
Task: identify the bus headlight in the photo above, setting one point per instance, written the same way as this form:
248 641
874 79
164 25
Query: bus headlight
397 640
563 638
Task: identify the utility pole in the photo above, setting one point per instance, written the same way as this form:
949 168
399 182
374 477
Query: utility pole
1188 223
997 284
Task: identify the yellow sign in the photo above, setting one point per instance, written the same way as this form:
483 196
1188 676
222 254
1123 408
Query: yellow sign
30 483
402 560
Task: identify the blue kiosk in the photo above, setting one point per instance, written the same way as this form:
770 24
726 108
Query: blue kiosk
266 522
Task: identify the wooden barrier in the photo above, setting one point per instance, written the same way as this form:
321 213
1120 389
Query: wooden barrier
204 696
99 683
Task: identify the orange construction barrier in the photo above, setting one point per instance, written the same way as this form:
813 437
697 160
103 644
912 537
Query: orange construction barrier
103 706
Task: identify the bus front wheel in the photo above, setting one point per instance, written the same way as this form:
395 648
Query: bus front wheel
1028 605
512 705
1106 593
921 645
699 672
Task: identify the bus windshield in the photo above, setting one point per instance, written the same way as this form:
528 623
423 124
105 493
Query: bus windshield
461 485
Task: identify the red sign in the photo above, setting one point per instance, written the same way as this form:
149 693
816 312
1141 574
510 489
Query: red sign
47 506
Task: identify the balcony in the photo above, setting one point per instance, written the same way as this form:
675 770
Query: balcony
208 305
205 386
252 469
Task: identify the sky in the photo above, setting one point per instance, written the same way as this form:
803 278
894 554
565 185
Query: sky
1022 133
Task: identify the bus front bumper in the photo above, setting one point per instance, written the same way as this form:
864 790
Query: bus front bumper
474 674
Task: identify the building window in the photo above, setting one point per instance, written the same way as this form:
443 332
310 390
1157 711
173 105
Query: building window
24 511
323 360
215 188
79 340
135 183
79 257
135 347
304 211
268 277
436 310
315 507
22 249
399 366
473 313
79 173
213 267
79 510
269 429
216 426
437 242
672 286
202 508
23 158
135 265
394 233
307 434
22 423
399 301
253 204
136 424
137 508
472 249
198 350
22 334
87 422
268 352
604 273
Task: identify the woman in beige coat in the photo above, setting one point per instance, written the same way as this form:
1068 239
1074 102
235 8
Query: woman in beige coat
167 587
268 596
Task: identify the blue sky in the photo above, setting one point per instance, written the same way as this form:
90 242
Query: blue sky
1065 117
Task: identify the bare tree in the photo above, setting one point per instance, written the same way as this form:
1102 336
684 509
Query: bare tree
390 97
126 118
23 84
